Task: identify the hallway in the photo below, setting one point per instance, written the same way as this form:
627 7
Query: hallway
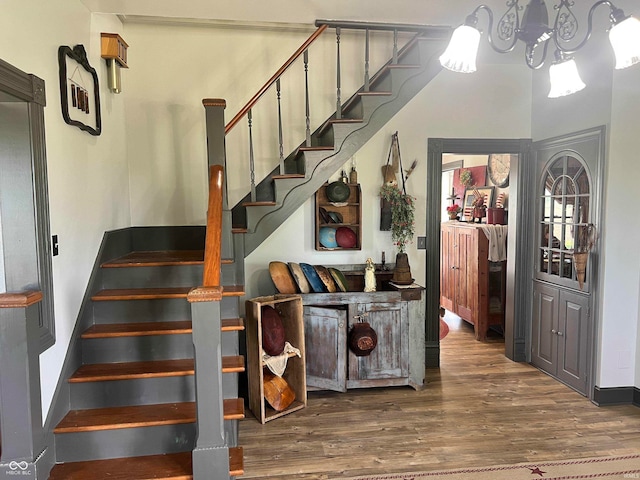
478 409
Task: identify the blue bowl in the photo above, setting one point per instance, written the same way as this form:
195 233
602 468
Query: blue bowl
327 237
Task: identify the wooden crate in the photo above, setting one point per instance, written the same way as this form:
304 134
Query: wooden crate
290 309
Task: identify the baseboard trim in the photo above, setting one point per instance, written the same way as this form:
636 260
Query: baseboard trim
616 396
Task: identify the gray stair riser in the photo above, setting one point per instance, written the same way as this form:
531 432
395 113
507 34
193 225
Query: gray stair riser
231 432
230 385
149 277
137 349
125 442
228 274
229 307
227 236
140 391
230 344
123 311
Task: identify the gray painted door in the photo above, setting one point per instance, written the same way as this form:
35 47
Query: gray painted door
567 198
325 346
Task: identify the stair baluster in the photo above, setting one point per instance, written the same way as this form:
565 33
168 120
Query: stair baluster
394 59
252 166
339 100
306 97
366 61
281 146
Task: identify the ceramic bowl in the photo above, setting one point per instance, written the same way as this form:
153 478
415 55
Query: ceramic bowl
346 238
338 191
327 237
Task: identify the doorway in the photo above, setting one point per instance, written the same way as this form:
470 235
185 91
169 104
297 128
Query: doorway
518 285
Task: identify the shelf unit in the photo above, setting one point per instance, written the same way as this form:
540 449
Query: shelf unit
351 211
290 310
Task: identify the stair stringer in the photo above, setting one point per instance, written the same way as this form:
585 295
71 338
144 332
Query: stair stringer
271 217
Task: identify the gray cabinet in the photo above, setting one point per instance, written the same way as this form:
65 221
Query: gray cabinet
560 331
396 316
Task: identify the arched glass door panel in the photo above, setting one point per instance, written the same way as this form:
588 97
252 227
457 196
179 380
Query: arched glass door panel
564 218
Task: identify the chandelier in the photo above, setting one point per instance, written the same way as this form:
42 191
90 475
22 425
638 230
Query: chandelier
534 30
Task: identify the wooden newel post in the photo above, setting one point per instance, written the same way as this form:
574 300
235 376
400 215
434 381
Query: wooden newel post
21 431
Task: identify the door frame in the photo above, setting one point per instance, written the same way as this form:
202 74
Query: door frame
33 204
520 239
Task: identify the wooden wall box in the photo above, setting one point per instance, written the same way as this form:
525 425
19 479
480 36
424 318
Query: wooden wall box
114 47
350 210
290 310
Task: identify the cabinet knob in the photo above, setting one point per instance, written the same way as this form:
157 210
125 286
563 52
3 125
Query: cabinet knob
560 334
340 325
553 331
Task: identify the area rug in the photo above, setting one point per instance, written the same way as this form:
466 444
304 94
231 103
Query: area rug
604 468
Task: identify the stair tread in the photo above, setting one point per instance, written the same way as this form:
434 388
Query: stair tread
321 148
108 330
372 93
141 329
239 230
112 418
129 370
289 175
232 324
259 204
97 372
112 294
174 466
157 258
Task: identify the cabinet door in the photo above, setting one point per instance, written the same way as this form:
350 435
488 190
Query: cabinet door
544 341
466 269
326 344
390 358
447 268
572 335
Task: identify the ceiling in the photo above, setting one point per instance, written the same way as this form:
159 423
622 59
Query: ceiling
428 12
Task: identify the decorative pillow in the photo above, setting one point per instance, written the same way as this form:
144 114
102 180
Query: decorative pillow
272 331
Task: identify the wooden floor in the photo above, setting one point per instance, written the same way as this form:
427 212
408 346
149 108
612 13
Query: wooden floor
477 409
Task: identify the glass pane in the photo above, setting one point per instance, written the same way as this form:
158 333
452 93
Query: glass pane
569 210
569 239
574 167
558 186
544 260
582 183
567 265
582 215
546 209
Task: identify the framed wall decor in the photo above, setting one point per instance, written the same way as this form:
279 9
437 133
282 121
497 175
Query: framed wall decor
79 91
469 196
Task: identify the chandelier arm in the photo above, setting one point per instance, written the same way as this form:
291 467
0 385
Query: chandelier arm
528 55
507 49
556 39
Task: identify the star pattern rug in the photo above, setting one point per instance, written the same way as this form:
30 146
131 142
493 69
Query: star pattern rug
602 468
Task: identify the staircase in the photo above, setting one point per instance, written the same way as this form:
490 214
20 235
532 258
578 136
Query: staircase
132 410
131 393
332 144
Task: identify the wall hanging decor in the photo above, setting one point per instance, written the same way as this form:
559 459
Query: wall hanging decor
79 92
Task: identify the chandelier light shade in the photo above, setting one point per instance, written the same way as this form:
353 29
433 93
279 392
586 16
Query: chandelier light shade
625 40
460 56
535 31
565 78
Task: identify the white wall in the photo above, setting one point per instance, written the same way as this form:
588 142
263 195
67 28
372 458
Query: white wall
448 108
88 187
612 99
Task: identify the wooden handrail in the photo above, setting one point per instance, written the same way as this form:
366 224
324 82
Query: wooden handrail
213 238
273 79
